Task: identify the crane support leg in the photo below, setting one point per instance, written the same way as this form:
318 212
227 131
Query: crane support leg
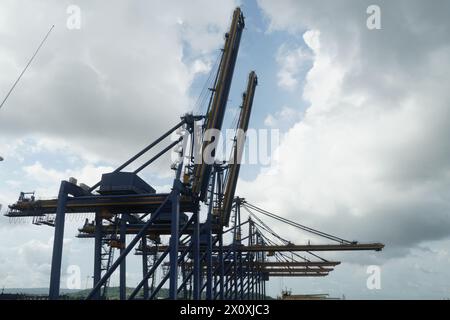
209 244
97 252
196 251
145 266
221 266
174 241
123 266
127 249
55 275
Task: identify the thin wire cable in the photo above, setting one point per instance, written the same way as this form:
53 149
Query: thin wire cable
285 242
297 225
279 256
204 93
26 67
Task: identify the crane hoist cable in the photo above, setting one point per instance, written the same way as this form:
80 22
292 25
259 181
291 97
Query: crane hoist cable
280 257
209 83
297 225
213 87
265 227
270 242
271 231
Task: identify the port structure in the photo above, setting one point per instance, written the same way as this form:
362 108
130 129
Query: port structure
198 262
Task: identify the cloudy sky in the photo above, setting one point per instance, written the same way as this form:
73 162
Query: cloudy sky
363 115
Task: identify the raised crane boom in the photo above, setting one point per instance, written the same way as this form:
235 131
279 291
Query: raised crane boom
214 118
238 148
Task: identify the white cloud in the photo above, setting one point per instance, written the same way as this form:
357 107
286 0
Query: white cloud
47 180
368 160
92 98
116 84
27 264
286 117
291 61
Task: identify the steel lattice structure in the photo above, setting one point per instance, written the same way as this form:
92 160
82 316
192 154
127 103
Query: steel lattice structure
221 257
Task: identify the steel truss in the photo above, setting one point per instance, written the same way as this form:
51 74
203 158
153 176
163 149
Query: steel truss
205 257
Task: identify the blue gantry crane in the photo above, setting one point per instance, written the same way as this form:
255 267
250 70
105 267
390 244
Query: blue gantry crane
221 257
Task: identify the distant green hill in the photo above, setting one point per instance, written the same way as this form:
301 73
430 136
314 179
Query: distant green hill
75 294
35 291
114 293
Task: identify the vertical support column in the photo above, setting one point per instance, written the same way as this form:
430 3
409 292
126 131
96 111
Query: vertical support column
174 241
215 277
264 289
250 260
221 266
245 295
259 286
174 233
98 252
184 274
209 267
196 250
145 266
236 242
255 291
250 284
55 275
234 275
155 258
260 270
253 284
239 254
241 276
257 256
227 284
190 288
123 270
256 286
249 281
